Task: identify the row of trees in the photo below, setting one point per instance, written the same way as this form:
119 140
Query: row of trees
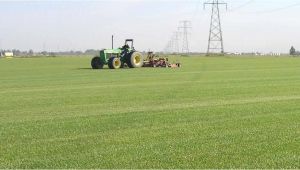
18 52
30 52
86 52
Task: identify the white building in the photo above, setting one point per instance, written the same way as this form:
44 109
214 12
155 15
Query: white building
8 54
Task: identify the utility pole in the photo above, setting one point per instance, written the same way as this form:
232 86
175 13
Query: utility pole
185 26
215 41
112 42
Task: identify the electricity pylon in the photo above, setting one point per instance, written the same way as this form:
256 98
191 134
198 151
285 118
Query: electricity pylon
185 26
175 40
173 44
215 41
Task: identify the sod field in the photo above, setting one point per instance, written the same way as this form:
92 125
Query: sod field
214 112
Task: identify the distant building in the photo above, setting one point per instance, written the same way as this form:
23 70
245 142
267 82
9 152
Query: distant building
8 54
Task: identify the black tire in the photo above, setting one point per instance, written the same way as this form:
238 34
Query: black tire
96 63
114 63
134 60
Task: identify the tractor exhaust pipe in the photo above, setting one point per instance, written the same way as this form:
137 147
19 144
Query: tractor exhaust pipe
112 42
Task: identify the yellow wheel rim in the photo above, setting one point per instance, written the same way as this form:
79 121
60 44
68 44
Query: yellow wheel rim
137 59
117 63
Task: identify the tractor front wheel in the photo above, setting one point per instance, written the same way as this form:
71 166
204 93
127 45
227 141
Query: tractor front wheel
114 63
135 60
97 63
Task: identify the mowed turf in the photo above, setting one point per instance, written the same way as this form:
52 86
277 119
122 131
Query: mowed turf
218 112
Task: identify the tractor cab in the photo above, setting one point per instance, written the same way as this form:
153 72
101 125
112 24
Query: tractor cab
127 48
129 41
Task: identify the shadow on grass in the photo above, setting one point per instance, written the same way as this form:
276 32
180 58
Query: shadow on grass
102 69
84 69
94 69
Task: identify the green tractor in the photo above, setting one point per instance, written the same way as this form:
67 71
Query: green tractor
117 58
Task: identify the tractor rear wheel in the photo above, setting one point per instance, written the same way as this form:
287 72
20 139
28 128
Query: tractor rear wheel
96 63
135 60
114 63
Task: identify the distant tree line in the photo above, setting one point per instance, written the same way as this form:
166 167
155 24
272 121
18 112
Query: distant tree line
30 52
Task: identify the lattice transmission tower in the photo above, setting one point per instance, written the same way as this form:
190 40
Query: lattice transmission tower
173 44
176 42
185 26
215 41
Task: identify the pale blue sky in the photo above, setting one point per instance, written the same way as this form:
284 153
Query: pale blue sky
257 25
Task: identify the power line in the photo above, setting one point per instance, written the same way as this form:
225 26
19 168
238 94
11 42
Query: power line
197 8
264 11
278 9
241 6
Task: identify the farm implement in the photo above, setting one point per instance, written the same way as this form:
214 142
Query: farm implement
153 60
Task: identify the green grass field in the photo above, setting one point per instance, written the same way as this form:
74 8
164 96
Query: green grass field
212 113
